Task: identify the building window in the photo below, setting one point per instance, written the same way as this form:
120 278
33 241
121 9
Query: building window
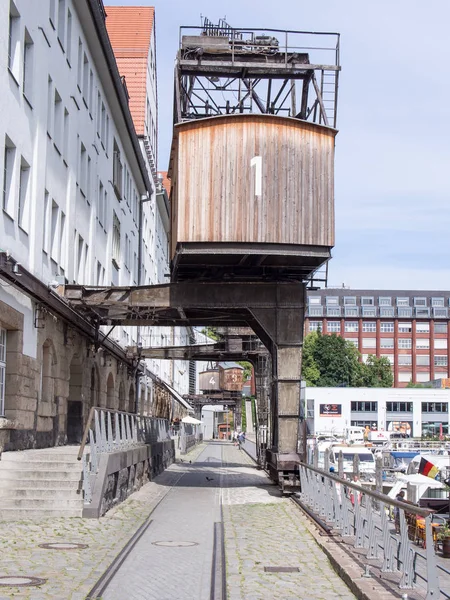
390 358
334 326
369 342
14 41
52 13
404 327
387 312
351 311
116 240
437 302
384 301
422 343
441 407
405 343
440 344
101 205
315 311
2 370
386 342
69 36
352 341
80 63
85 79
440 313
8 177
28 58
386 327
402 301
369 311
369 326
404 359
404 312
440 361
423 360
61 21
349 300
66 134
364 406
422 301
314 325
24 193
399 406
334 312
422 328
314 300
351 326
440 328
117 171
422 312
367 301
54 238
332 300
58 121
83 169
363 424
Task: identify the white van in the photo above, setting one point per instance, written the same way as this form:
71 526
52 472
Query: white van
354 435
366 459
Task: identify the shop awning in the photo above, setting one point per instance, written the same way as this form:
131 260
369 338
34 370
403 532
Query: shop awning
178 397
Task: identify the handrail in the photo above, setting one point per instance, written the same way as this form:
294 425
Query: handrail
86 433
362 519
423 512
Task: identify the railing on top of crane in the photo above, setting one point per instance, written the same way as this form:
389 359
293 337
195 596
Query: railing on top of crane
363 518
109 431
280 41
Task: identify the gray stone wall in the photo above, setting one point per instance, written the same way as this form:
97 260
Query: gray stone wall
122 473
48 398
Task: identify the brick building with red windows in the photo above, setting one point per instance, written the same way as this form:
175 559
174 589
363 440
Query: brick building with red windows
410 328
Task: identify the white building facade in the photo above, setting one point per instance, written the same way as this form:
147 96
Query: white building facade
417 412
79 205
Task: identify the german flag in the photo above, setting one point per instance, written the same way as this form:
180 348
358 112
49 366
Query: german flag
427 468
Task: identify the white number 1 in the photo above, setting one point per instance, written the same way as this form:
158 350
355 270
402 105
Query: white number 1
257 163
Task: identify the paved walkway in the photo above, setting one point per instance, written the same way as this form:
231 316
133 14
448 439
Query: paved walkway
262 529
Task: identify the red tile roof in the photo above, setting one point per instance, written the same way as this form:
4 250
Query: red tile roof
130 29
166 182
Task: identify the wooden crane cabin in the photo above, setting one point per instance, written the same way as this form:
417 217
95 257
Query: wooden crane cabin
252 180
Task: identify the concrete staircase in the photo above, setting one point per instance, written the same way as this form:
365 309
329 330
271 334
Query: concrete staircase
36 484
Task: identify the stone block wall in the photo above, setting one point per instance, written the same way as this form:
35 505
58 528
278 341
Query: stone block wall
122 473
48 398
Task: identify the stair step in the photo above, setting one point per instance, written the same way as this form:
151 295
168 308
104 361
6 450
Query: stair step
41 503
38 465
15 514
12 483
38 492
18 474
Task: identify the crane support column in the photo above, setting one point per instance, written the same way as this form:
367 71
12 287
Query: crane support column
282 328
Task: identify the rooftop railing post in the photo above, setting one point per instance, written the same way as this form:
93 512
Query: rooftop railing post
432 575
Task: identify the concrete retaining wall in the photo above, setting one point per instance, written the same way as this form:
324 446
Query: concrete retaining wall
122 473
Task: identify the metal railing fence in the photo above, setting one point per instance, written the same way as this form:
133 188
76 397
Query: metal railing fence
109 431
363 516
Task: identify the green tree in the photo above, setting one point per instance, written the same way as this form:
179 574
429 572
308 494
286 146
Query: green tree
310 370
377 372
247 368
331 361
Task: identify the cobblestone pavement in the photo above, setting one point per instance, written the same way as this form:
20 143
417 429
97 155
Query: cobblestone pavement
186 516
264 529
71 574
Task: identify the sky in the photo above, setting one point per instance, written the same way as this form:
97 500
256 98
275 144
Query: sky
392 169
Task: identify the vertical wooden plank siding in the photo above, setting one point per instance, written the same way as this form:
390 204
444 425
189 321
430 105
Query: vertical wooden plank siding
214 183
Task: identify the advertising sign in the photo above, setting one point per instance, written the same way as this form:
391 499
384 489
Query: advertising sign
330 410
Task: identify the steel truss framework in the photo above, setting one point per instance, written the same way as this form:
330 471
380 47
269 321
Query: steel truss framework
222 70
